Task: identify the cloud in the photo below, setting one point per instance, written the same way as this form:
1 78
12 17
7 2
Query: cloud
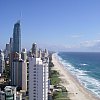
92 43
85 46
76 36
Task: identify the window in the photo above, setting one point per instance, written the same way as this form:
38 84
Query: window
34 77
34 87
34 69
34 65
34 80
34 84
34 74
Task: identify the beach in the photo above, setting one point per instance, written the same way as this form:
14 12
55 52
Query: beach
75 89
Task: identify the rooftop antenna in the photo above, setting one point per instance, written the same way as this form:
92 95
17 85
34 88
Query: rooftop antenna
20 16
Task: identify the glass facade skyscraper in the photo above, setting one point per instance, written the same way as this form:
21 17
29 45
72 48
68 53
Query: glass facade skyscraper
17 38
15 56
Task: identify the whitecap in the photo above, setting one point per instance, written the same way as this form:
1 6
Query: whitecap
84 64
87 81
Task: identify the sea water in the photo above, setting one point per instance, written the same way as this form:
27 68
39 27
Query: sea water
85 66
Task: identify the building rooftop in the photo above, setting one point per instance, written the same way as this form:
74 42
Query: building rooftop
9 87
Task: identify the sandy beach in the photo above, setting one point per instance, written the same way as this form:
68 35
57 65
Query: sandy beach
75 89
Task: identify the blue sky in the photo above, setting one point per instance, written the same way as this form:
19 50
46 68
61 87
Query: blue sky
70 25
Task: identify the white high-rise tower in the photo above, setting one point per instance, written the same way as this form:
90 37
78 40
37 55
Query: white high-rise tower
38 79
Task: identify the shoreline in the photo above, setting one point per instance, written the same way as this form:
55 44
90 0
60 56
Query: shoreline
76 90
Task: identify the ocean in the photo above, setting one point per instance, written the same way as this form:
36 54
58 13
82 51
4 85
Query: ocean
85 66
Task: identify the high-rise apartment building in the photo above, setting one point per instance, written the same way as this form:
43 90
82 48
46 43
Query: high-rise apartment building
24 54
7 50
40 53
45 53
19 74
34 50
38 79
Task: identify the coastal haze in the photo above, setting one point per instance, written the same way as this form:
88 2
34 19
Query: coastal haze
68 25
50 50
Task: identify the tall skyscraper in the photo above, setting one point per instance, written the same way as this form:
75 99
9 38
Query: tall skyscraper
17 38
8 47
15 54
38 79
2 62
7 50
11 45
34 50
11 58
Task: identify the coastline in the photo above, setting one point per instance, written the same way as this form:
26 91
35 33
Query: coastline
76 90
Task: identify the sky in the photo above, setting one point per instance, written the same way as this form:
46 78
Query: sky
60 25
